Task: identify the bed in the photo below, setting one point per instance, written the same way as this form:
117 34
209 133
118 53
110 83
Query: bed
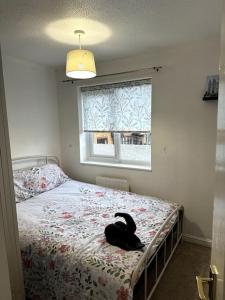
64 251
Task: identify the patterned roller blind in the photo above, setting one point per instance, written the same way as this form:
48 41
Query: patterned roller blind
117 107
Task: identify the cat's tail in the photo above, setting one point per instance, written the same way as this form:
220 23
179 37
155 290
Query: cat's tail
131 226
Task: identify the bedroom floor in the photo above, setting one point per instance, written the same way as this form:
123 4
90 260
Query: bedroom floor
178 281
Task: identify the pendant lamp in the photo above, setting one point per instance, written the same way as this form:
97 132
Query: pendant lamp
80 63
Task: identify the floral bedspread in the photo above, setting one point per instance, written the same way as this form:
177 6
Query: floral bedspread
64 252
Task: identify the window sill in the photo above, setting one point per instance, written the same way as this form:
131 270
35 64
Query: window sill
114 165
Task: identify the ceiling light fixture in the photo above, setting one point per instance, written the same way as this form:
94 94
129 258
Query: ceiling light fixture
80 63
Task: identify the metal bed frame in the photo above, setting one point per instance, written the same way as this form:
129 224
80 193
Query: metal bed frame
156 265
26 162
158 262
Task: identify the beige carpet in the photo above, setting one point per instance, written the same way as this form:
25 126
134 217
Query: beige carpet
178 281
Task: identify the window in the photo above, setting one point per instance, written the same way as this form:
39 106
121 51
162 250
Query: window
116 124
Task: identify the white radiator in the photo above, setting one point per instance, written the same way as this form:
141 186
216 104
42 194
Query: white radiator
113 183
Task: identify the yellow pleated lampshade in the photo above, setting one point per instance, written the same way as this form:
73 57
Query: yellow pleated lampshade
80 64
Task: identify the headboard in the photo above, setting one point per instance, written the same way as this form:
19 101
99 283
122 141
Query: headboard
26 162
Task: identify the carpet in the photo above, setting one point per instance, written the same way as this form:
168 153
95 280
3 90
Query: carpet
178 281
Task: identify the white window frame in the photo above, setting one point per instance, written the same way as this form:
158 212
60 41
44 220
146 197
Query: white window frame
90 149
86 142
115 159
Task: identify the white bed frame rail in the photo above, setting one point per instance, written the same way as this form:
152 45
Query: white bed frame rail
156 265
26 162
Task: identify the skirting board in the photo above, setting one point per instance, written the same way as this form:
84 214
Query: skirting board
197 240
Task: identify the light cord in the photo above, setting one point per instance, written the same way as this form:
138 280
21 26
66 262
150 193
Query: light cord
79 42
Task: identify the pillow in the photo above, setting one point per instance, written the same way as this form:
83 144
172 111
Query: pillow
25 184
50 176
31 182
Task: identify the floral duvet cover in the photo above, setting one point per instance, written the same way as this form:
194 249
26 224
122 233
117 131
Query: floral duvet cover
64 252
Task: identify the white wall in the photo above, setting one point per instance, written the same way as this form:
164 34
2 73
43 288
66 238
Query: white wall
183 131
32 107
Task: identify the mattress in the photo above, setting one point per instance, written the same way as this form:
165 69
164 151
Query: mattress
64 251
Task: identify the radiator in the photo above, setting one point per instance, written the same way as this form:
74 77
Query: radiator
113 183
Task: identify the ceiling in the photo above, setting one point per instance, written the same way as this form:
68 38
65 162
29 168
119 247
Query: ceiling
42 30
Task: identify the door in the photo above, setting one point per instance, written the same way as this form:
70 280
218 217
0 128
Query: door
5 289
216 280
218 242
11 279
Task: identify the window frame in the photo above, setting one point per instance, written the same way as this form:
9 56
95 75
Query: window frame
116 159
90 149
87 155
104 158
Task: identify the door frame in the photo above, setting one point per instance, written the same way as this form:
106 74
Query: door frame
218 237
7 202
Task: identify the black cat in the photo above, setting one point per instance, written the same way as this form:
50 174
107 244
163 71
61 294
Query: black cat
122 235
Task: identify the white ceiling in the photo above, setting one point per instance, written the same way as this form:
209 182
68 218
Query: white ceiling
129 26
